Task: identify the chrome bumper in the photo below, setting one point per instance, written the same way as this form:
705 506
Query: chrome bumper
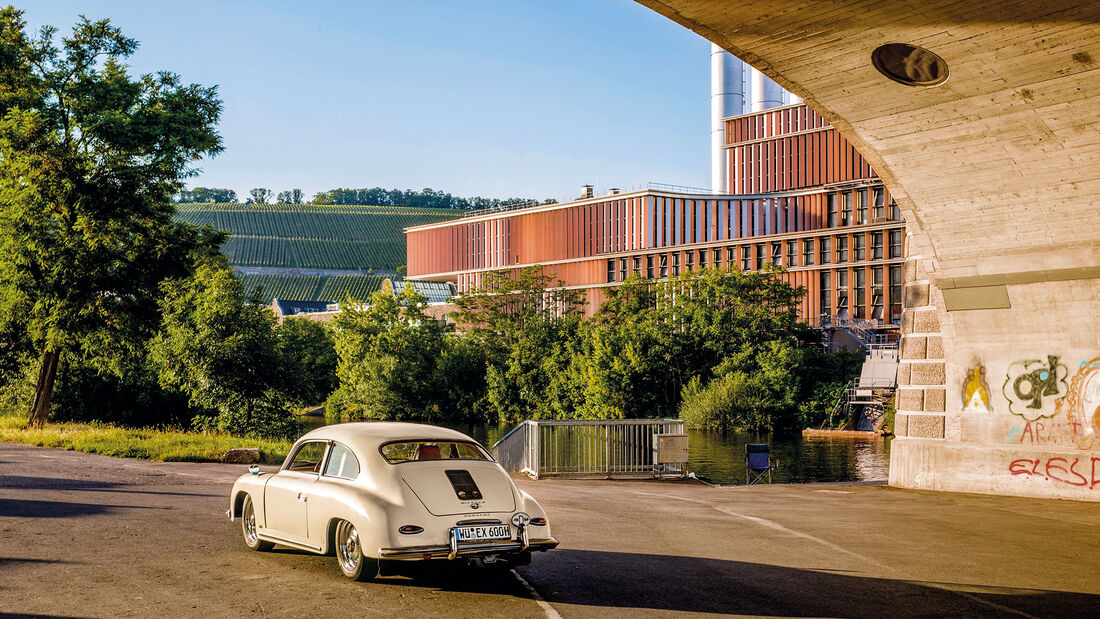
465 550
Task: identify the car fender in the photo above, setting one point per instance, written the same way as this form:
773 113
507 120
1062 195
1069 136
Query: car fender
252 485
527 503
339 499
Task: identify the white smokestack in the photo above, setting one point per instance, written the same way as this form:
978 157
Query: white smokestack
727 98
766 94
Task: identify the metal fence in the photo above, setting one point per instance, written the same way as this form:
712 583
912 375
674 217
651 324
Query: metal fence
601 448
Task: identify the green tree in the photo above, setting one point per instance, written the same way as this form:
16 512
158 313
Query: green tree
290 196
521 318
89 158
260 195
389 359
632 359
223 353
205 194
309 348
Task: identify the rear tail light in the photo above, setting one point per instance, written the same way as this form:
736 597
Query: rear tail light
539 521
410 529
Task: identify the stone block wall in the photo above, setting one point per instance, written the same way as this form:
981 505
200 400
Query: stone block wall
1000 400
921 395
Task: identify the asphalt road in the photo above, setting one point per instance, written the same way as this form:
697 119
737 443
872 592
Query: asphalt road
92 536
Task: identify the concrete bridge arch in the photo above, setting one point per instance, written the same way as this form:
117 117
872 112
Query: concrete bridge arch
997 171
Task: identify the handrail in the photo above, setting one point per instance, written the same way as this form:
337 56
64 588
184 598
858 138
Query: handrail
509 433
587 447
685 189
502 208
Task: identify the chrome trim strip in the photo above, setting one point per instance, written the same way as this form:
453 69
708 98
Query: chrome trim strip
287 542
444 552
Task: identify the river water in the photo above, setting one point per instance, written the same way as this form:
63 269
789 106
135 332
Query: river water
719 457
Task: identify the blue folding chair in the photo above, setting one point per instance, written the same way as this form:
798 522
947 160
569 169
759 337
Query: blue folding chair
758 463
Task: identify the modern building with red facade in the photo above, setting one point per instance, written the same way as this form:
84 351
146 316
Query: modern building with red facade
799 196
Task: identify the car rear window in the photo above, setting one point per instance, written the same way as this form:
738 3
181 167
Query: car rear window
409 451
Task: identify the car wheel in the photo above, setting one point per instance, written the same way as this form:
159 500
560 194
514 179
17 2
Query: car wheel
248 527
349 553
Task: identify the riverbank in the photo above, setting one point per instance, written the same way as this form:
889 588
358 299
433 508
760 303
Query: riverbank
145 443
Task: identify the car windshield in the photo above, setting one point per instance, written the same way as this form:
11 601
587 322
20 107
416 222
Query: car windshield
408 451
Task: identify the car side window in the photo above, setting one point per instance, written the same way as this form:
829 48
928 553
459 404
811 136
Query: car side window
342 463
308 457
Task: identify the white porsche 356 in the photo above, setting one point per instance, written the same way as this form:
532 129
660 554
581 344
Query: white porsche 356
398 491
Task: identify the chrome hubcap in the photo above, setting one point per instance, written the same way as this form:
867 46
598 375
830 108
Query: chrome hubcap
249 518
347 546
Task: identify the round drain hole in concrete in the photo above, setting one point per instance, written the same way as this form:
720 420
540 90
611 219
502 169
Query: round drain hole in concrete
909 64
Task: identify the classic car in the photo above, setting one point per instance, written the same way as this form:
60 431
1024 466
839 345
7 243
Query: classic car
376 491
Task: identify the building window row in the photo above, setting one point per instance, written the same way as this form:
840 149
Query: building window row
824 250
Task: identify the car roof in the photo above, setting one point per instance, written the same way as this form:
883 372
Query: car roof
370 434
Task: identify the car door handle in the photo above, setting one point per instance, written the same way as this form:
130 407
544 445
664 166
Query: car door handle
302 497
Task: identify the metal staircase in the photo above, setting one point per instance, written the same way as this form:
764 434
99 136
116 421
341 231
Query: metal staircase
862 404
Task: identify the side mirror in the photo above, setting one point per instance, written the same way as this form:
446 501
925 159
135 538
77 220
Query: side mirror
254 469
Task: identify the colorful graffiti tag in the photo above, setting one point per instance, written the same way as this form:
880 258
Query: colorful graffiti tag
1082 404
1059 469
975 394
1053 432
1028 382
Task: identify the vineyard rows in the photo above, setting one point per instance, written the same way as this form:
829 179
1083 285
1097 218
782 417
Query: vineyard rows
315 253
313 235
311 287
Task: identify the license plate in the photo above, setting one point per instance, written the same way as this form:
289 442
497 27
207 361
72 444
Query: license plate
484 532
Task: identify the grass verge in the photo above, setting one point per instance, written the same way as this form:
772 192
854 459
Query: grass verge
145 443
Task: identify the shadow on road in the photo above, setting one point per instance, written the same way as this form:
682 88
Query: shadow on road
28 508
29 482
4 561
456 577
662 582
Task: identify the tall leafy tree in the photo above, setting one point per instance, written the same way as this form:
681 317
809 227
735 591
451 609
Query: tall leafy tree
309 348
260 195
390 356
524 319
89 158
207 194
223 352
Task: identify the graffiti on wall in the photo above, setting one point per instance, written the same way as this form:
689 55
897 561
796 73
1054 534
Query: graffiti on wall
1029 383
1079 472
1029 386
1082 404
975 390
1054 432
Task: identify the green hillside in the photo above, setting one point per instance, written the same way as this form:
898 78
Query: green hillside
311 287
313 236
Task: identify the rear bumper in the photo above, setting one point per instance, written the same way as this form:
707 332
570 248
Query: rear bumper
465 550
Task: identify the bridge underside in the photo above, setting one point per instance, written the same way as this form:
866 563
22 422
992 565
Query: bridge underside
997 171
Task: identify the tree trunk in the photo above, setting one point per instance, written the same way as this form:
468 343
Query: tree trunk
40 410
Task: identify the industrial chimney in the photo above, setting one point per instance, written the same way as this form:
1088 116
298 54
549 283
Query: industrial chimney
766 94
727 98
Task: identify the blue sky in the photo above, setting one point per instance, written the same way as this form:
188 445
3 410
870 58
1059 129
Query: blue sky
500 99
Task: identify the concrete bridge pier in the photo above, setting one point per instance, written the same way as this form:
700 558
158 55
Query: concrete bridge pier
986 128
1000 400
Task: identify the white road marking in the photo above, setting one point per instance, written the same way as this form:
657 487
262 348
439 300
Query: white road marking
771 524
543 604
778 527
